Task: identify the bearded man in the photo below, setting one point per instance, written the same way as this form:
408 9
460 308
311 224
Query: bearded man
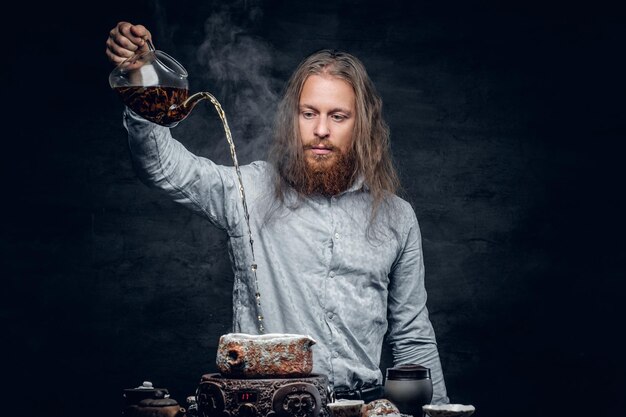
338 254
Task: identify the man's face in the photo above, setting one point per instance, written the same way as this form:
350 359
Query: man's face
326 120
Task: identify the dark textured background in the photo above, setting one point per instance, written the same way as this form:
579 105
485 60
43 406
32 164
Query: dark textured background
507 125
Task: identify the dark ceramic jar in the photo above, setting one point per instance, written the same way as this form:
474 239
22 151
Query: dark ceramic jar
409 387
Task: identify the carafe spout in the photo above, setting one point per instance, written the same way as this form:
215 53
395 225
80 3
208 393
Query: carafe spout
188 105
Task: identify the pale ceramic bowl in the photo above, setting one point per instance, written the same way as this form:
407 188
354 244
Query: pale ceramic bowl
449 410
346 408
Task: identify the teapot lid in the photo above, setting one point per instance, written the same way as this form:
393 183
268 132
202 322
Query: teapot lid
408 372
144 391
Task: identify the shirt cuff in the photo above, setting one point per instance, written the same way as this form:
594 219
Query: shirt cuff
130 116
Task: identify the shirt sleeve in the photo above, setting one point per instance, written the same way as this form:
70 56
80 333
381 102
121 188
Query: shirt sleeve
161 162
411 335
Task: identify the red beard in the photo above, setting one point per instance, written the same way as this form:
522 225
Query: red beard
328 175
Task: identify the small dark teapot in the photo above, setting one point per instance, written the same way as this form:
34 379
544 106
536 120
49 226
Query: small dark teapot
147 401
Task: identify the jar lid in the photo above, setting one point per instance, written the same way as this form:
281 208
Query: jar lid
408 372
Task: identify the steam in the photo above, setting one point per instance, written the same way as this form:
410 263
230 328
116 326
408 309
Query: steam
238 66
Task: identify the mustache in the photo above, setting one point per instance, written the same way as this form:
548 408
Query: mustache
324 145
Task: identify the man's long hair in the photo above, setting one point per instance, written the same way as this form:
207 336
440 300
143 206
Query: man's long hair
370 144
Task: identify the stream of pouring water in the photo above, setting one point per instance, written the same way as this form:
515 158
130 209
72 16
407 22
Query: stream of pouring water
233 154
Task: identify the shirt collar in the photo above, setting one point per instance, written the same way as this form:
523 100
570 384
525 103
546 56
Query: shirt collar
358 185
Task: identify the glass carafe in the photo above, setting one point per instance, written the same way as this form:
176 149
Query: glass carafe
155 86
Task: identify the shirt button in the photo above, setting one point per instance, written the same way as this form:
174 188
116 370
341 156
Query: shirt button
332 274
335 355
337 236
330 316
